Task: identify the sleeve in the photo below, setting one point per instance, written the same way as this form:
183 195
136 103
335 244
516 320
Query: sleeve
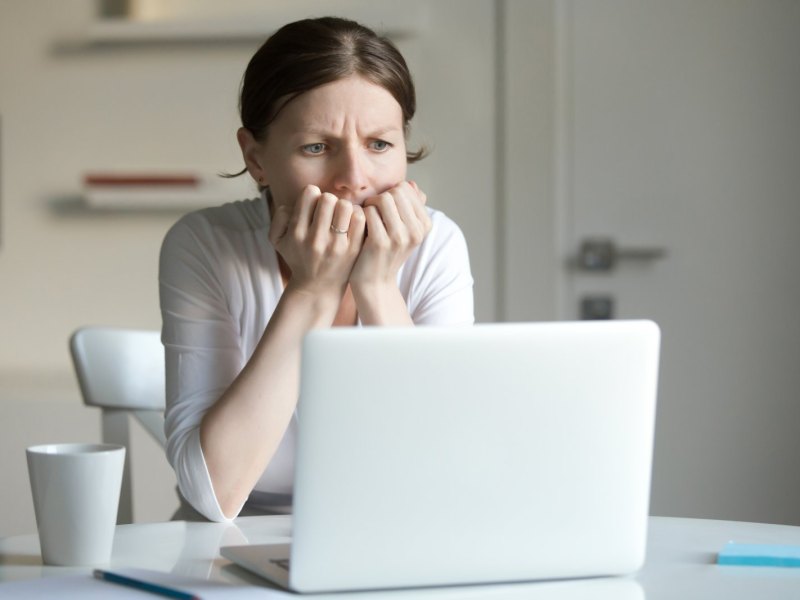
441 281
202 348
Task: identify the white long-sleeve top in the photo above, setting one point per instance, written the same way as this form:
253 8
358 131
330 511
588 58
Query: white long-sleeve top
219 283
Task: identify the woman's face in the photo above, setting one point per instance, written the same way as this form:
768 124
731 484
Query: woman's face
345 137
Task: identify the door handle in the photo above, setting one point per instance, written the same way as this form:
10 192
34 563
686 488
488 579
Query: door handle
603 254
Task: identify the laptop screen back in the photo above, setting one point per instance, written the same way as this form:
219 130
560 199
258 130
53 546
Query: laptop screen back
431 456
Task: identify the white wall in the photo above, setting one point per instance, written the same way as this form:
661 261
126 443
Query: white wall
526 239
66 109
173 106
63 114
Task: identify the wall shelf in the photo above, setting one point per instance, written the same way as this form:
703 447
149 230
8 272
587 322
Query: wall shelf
396 23
151 192
76 205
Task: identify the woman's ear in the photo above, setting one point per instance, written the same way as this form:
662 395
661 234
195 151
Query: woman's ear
251 153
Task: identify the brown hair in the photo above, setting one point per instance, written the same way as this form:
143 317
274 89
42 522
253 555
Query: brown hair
306 54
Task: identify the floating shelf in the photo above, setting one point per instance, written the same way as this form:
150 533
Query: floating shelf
120 32
114 192
77 205
397 21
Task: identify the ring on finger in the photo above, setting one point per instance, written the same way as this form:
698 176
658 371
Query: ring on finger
335 229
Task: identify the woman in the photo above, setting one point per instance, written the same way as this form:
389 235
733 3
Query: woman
337 237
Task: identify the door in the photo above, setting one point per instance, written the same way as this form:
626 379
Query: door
680 132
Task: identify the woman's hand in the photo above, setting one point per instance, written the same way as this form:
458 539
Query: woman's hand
396 223
319 240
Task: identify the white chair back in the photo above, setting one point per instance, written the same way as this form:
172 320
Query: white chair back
121 371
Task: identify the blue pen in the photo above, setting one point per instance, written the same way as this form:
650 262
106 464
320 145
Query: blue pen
145 586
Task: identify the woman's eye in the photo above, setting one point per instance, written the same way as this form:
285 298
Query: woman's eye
317 148
380 145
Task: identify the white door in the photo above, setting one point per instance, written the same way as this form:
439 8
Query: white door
681 131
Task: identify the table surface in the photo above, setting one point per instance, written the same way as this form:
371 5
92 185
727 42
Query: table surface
680 562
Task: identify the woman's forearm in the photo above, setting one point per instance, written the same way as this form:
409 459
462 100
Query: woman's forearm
242 431
381 305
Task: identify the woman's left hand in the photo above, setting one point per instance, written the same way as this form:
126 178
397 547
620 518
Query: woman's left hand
397 222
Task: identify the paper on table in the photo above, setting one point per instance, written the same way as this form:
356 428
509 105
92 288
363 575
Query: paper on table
86 586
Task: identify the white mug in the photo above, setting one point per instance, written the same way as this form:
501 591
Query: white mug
75 491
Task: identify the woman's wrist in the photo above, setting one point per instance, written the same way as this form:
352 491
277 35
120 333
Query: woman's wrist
380 304
318 305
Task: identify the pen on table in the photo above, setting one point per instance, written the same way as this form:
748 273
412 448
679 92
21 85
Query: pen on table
145 586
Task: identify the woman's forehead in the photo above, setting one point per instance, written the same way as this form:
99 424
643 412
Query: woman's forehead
352 101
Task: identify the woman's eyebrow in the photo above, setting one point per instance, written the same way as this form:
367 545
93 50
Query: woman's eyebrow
311 131
384 130
380 131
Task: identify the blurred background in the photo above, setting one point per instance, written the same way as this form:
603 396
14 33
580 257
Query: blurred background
615 159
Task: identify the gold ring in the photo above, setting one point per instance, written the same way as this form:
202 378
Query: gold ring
335 229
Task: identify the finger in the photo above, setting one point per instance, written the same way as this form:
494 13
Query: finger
412 213
375 227
411 207
340 222
279 224
423 216
406 202
323 214
358 226
422 196
303 211
387 209
418 205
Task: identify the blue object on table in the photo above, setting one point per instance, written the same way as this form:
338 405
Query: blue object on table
759 555
145 586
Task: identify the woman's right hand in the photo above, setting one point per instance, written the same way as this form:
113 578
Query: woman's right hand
320 259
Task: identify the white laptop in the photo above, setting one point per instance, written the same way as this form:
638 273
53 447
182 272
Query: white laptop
442 456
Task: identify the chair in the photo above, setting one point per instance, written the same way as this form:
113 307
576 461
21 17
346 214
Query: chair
121 371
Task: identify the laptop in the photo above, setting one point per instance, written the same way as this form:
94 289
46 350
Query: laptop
435 456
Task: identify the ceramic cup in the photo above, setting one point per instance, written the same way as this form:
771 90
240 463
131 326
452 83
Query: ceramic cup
75 491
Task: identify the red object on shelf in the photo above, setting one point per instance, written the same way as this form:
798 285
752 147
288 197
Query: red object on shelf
141 180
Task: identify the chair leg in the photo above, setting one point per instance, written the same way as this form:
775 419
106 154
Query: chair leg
115 430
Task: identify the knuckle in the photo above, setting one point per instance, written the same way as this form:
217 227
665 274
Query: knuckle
380 242
371 214
328 199
317 247
305 201
399 238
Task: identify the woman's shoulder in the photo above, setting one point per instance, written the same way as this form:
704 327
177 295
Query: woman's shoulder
443 228
239 220
231 217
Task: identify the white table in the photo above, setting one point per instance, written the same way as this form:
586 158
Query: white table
680 561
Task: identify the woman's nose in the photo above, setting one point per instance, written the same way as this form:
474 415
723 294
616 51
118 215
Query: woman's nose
350 177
